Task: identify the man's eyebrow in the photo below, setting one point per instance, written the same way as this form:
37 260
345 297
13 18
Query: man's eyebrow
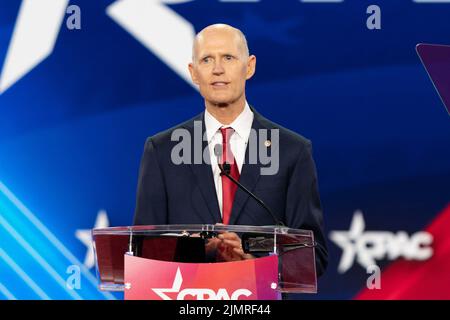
221 54
205 55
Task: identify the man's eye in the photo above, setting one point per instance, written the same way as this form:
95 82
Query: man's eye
228 57
206 59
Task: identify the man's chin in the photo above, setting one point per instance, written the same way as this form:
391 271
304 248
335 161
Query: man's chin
222 103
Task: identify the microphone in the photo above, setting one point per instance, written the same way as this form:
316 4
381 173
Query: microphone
225 170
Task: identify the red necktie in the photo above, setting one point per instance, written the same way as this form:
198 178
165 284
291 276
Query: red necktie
228 187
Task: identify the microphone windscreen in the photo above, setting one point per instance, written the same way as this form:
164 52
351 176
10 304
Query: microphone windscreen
227 167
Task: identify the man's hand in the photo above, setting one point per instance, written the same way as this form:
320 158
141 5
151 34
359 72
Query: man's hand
229 247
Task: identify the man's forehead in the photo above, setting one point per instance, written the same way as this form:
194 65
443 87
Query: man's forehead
217 49
217 44
217 38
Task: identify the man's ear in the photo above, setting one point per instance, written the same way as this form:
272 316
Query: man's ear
251 66
192 72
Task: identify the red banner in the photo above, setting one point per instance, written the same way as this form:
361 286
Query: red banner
254 279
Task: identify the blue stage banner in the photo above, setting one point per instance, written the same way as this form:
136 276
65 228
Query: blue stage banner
84 82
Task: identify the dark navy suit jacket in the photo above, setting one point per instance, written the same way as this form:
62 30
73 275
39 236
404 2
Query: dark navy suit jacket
185 194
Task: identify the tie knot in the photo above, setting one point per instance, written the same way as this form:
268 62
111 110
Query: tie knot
226 134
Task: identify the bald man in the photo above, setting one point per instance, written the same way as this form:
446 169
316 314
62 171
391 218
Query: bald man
182 184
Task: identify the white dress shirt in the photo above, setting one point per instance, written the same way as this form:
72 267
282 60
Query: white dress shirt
242 126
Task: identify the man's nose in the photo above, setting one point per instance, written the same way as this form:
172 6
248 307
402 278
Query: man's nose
218 68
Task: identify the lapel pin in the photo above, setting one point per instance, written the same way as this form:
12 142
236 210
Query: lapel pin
267 143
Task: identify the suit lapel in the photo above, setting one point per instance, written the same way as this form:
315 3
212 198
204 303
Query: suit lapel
249 174
203 173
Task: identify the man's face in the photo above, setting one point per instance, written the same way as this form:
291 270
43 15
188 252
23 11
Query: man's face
221 67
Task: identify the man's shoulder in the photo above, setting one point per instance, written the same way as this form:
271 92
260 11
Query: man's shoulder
286 135
165 137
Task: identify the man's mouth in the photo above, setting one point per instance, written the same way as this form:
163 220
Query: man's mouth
219 83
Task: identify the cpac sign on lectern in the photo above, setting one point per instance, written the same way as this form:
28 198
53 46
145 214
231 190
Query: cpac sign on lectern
176 262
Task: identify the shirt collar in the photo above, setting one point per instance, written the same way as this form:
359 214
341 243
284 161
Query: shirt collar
242 125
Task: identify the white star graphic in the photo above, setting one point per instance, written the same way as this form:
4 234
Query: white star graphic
34 37
158 28
366 247
346 241
85 236
175 287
